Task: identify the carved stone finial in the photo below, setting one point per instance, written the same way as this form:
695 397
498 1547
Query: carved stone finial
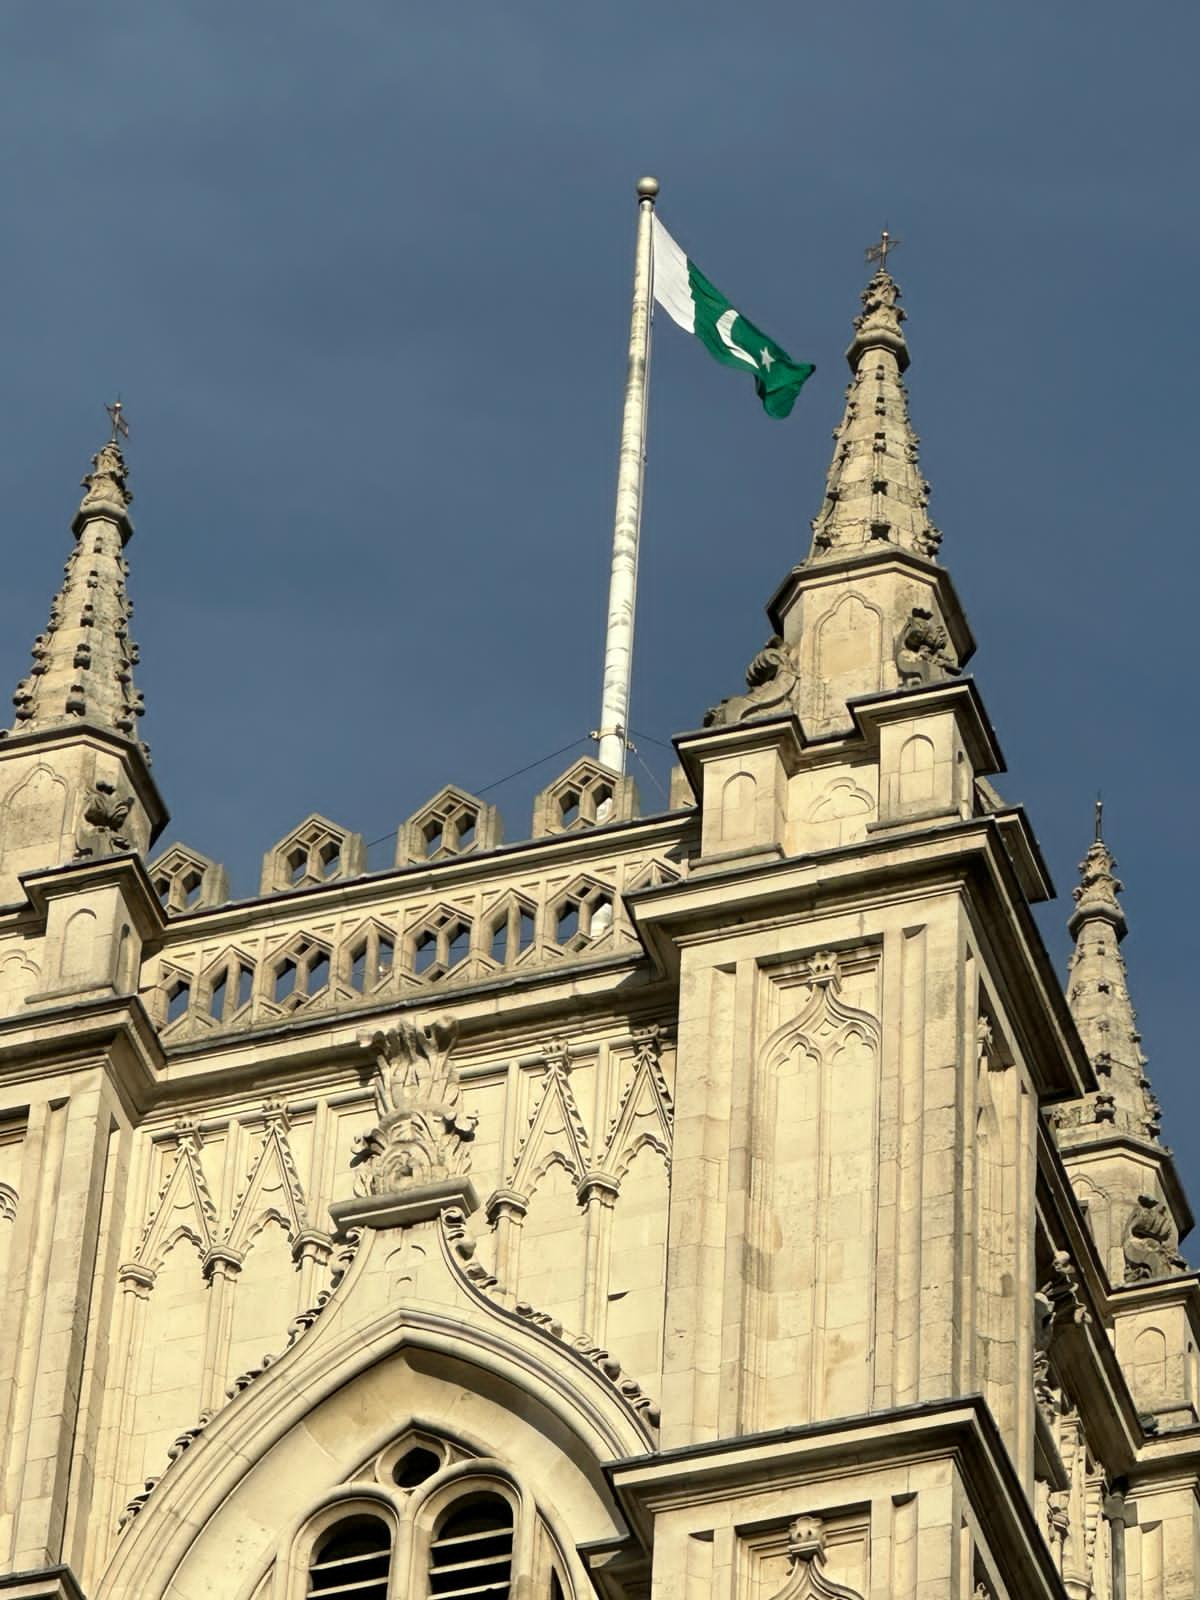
107 479
423 1131
808 1579
83 662
1098 995
824 968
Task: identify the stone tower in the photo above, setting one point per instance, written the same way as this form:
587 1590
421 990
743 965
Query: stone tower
724 1202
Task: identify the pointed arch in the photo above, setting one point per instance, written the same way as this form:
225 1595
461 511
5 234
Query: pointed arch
370 1367
847 653
645 1112
555 1132
184 1205
272 1189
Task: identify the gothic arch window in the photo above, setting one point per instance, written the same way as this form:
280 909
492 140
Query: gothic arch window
352 1558
471 1552
427 1519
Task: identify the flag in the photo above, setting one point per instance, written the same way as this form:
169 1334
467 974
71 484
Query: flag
689 299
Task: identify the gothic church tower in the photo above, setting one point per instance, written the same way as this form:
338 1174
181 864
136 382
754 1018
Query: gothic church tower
722 1202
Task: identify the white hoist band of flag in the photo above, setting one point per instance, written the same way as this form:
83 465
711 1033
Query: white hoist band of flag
689 299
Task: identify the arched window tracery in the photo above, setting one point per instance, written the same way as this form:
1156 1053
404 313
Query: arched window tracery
353 1559
471 1553
427 1519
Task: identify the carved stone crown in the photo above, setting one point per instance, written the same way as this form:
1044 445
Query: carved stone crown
423 1131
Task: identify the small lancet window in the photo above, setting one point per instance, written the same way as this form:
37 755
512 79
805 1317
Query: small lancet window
471 1556
353 1559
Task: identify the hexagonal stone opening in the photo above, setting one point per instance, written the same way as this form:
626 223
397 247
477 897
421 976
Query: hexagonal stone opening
296 862
458 943
425 951
330 857
600 917
433 836
179 998
568 806
286 974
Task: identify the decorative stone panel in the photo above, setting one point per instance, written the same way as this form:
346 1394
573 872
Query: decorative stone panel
506 923
439 944
318 851
510 930
226 990
368 958
298 973
580 917
586 796
184 880
172 999
452 824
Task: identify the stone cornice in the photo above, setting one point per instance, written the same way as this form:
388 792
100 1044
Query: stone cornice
885 558
58 736
961 1430
1157 1156
961 695
113 1033
126 870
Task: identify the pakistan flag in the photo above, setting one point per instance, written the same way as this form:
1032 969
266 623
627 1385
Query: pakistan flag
688 298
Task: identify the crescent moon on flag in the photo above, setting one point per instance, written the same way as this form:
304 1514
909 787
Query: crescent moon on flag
725 324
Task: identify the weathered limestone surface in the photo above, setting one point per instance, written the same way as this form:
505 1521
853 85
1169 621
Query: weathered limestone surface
721 1203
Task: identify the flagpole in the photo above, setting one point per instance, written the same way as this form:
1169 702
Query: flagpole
613 733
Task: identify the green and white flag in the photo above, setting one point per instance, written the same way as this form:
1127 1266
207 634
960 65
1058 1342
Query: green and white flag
688 298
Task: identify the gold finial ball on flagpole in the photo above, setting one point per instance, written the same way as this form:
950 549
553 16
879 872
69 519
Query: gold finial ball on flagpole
647 188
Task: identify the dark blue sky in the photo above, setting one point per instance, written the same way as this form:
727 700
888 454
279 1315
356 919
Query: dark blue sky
361 272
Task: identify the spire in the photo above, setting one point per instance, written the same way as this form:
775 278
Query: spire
83 663
875 496
1098 995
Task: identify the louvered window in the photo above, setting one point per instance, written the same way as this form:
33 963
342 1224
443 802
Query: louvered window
352 1561
471 1557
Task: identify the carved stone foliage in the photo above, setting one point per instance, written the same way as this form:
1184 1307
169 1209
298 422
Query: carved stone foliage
484 1283
1151 1243
454 823
423 1132
184 880
807 1578
102 832
772 687
586 796
318 851
922 649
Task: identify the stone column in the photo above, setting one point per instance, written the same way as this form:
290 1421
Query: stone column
597 1194
68 1148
